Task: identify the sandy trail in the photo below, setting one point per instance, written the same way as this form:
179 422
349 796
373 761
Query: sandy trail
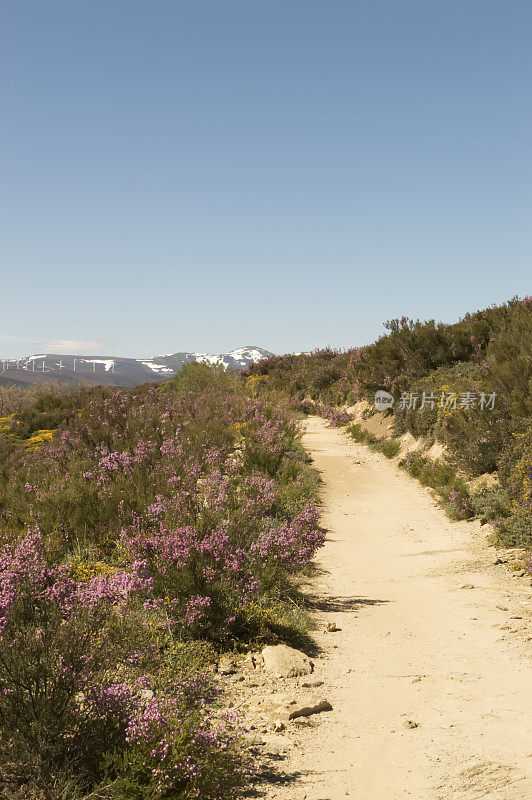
413 646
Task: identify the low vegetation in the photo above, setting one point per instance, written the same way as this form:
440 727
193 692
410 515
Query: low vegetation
389 447
142 533
452 490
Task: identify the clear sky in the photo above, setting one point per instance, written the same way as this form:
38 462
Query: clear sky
207 174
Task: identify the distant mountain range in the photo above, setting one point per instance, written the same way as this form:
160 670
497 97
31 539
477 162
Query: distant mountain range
113 370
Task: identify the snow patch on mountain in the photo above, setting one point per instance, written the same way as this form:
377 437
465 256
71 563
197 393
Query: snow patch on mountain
160 369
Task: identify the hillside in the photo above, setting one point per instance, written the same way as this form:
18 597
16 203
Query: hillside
466 386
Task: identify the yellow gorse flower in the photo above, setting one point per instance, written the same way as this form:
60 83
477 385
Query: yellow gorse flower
5 423
87 570
39 438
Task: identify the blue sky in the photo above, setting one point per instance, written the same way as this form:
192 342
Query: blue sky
207 174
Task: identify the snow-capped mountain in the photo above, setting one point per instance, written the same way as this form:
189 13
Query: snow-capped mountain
237 359
116 370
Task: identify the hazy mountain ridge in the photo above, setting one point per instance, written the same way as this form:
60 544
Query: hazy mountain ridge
70 368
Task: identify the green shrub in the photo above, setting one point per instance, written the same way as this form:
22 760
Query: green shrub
53 406
413 349
409 351
440 476
509 362
476 439
307 407
490 503
515 468
322 376
389 447
298 485
196 377
514 531
430 418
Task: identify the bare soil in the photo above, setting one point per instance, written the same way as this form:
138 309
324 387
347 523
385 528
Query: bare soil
429 674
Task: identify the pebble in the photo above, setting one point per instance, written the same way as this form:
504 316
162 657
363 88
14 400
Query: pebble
331 627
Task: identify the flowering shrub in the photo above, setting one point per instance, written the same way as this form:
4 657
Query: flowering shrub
175 749
336 416
515 527
151 517
55 648
459 504
516 472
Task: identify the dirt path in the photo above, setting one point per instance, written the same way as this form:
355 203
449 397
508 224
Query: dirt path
415 646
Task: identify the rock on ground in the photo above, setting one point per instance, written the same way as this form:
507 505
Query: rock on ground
286 661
